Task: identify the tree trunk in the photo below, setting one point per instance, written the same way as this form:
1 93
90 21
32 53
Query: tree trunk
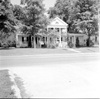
88 41
34 42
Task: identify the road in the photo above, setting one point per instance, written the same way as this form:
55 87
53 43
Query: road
56 76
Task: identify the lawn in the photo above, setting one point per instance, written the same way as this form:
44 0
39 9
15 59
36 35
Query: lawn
5 85
32 51
88 49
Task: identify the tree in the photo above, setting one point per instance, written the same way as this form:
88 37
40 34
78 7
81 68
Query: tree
19 13
79 14
62 8
35 18
7 20
84 20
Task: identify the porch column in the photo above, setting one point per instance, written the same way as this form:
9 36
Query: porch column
47 41
17 41
34 42
74 41
16 37
60 44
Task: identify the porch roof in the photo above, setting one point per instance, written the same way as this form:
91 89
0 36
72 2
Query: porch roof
76 34
40 34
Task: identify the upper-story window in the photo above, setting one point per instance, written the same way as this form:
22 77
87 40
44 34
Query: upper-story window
57 29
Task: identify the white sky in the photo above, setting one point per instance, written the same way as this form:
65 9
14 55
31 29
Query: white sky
48 3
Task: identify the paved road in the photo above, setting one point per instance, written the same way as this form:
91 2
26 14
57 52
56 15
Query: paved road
31 60
70 75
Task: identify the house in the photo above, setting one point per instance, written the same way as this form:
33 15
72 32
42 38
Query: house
56 36
57 32
56 27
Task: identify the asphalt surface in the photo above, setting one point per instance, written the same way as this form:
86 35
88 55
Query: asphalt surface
31 60
57 75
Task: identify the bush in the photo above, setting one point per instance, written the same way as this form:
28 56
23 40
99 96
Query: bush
4 45
52 45
91 43
8 44
9 41
70 44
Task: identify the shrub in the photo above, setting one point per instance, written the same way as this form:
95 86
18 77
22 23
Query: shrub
70 44
91 43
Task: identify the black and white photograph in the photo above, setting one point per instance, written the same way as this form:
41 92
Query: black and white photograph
50 49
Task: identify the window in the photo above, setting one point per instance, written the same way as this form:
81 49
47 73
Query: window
57 29
22 39
27 38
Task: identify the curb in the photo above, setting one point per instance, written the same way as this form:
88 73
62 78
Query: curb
14 87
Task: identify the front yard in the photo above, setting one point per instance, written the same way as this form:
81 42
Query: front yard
88 49
32 51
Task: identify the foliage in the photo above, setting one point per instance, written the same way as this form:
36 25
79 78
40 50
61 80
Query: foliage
9 41
19 13
35 19
79 14
7 20
70 44
85 21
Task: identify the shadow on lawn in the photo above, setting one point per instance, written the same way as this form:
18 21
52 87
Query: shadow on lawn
20 84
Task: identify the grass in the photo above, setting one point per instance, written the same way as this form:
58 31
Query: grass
5 85
32 51
88 49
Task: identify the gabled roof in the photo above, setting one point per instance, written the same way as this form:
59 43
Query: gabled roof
57 21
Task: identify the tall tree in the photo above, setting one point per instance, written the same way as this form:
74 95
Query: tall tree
7 20
62 8
35 18
19 13
85 21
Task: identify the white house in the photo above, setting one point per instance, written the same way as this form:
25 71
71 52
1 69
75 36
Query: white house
56 25
59 28
57 36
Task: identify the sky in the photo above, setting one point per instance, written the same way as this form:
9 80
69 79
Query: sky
48 3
